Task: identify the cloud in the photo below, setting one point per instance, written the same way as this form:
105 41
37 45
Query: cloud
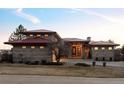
29 17
108 18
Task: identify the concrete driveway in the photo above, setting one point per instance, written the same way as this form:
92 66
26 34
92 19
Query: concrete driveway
28 79
100 63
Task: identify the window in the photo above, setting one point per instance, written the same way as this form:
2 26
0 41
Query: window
103 48
38 35
31 35
32 47
46 35
23 46
96 48
110 48
41 47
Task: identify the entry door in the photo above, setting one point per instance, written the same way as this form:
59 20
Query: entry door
76 51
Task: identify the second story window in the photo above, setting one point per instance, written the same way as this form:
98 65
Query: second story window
96 48
46 35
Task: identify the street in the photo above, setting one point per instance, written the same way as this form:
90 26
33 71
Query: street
30 79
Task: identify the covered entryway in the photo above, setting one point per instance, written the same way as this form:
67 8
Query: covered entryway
76 51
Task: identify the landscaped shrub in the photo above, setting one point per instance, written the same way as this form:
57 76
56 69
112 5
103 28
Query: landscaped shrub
82 64
104 64
53 63
20 61
43 62
94 63
33 63
27 62
6 57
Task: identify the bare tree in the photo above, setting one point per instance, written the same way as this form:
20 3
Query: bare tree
60 50
16 35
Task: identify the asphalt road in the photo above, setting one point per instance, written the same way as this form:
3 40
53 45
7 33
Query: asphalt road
28 79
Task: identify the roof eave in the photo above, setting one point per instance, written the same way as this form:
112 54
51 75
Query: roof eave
104 45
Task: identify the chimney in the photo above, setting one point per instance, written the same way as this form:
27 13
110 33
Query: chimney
88 38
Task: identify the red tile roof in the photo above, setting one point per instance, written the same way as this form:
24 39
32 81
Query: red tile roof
29 41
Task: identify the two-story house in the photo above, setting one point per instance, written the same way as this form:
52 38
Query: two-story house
36 46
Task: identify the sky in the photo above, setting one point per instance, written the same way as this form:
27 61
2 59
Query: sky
101 24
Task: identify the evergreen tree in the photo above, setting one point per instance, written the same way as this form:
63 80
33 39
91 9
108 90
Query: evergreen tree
16 35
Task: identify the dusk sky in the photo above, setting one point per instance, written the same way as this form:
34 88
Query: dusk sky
98 23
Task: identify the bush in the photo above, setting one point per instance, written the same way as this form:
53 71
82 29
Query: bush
6 57
43 62
82 64
20 61
34 63
27 62
53 63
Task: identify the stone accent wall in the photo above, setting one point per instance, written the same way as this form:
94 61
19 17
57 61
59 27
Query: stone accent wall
35 54
29 54
101 55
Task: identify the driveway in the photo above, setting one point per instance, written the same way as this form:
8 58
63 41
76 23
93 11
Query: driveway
28 79
100 63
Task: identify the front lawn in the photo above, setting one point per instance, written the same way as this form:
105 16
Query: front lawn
97 71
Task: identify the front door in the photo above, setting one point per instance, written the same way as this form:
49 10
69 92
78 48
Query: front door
76 51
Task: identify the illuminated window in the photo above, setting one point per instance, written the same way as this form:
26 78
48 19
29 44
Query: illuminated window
38 35
46 35
23 46
103 48
41 47
96 48
110 48
32 47
31 35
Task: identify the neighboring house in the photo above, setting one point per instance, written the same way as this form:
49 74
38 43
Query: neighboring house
38 46
103 50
